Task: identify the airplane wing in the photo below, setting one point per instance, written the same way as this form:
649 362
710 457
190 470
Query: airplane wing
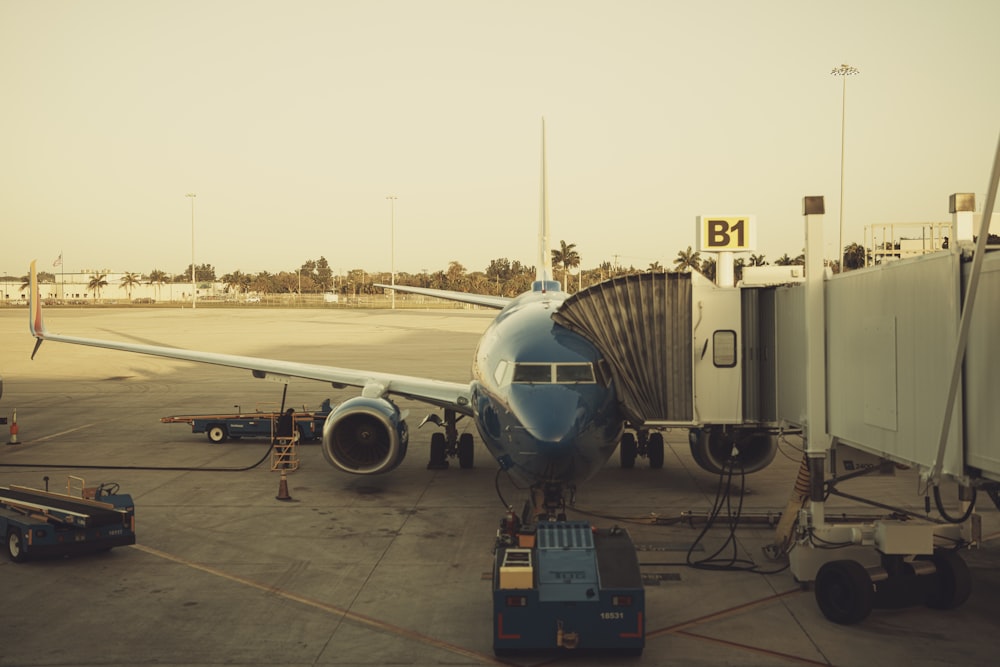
486 300
452 395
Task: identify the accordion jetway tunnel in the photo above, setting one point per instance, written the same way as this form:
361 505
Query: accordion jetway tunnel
685 353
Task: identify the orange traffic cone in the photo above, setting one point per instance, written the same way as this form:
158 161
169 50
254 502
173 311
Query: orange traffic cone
13 430
283 488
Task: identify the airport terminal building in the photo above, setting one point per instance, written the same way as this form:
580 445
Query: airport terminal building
74 288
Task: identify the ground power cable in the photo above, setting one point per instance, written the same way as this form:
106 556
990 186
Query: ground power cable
150 468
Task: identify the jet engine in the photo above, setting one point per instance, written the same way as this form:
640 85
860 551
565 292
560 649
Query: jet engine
714 448
365 436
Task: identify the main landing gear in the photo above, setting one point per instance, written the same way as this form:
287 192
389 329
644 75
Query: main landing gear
641 443
449 444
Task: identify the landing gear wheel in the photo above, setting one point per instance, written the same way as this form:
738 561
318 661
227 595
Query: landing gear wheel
217 433
654 449
627 450
15 548
951 585
439 452
466 455
844 591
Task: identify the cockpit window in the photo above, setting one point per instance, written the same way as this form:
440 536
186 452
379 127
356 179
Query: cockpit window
574 373
554 373
500 372
533 373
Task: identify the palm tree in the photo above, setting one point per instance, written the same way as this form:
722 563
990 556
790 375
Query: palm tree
738 268
656 267
566 258
128 283
97 281
708 268
784 260
854 256
235 281
757 260
157 277
687 260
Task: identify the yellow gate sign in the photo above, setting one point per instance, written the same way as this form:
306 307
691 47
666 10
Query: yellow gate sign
720 233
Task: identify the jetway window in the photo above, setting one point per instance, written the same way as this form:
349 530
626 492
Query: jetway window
582 373
724 348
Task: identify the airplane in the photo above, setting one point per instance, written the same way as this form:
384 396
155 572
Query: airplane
542 397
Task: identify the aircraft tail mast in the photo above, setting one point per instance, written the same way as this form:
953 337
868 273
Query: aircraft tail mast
544 267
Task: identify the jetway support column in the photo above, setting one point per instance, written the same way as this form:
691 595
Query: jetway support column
817 438
961 205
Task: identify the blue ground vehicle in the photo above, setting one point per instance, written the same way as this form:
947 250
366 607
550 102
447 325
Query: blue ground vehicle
36 523
258 424
566 585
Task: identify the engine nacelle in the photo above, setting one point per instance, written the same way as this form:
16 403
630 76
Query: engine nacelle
712 448
365 436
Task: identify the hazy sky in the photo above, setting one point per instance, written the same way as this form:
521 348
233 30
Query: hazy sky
293 120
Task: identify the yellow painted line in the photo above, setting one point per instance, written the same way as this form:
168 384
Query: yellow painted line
684 629
754 649
680 627
56 435
361 619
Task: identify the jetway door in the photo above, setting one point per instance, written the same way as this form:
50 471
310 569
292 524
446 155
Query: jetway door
759 381
642 325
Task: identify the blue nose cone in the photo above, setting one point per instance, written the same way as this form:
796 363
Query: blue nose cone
553 415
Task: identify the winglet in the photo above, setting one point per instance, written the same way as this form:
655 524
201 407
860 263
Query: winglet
35 322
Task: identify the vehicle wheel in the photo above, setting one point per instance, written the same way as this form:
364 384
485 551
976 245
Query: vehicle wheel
627 450
654 450
951 585
844 591
466 451
15 547
439 456
217 433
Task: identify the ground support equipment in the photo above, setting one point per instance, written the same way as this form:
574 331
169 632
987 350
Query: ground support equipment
566 585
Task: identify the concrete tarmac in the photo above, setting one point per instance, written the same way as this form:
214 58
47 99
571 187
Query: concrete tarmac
392 569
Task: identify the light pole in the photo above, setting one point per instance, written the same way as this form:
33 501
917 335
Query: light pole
843 72
392 243
194 287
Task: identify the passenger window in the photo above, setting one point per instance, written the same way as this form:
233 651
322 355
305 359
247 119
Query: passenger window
724 348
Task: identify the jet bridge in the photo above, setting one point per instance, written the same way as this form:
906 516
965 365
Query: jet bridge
897 361
686 353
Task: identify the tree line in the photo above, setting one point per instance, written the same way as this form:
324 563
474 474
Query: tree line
502 277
